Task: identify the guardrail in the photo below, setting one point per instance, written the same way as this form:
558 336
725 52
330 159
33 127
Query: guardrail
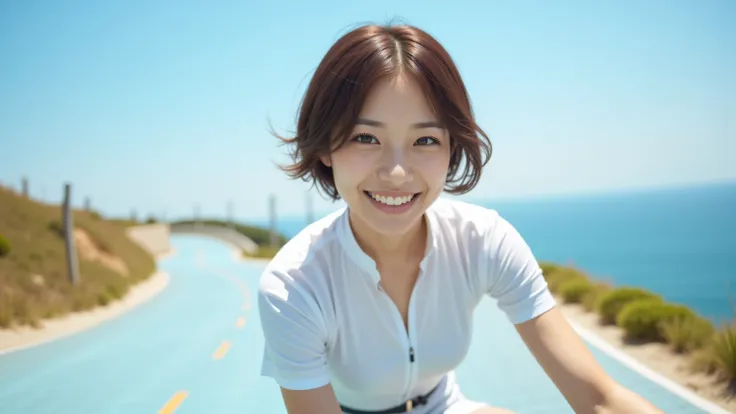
225 234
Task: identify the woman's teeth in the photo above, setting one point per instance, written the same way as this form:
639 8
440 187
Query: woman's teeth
392 201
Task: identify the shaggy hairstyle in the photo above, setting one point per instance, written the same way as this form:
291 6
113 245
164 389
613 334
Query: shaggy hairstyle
344 78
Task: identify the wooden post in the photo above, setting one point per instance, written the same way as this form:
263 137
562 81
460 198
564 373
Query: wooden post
24 187
272 213
68 225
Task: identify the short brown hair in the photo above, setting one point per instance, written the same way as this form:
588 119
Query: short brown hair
342 81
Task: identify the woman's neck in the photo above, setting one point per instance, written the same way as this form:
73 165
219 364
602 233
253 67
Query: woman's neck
390 250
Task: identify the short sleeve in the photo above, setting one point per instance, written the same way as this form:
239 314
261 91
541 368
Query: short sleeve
295 336
515 277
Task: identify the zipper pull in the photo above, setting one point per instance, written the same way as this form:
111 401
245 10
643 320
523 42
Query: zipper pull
411 354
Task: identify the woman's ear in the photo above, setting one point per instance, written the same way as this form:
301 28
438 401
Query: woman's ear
326 160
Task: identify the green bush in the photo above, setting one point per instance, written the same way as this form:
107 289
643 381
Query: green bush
609 304
574 289
117 290
548 268
264 252
5 246
591 297
686 334
723 351
56 227
103 299
641 319
563 275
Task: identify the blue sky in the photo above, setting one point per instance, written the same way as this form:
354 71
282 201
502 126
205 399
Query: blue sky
164 105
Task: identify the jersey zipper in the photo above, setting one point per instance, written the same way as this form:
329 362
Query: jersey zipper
408 336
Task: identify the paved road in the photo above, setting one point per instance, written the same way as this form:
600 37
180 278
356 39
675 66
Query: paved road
196 348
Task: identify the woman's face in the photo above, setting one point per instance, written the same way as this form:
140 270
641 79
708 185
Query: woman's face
395 163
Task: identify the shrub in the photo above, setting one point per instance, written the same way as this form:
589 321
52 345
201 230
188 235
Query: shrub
56 227
548 268
103 298
117 290
264 252
641 319
5 246
686 334
591 297
573 290
563 275
723 352
609 304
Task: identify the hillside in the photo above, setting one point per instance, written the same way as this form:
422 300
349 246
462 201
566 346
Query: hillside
34 283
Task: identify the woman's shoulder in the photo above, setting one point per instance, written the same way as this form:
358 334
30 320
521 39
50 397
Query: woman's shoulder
301 254
478 231
501 262
294 286
462 220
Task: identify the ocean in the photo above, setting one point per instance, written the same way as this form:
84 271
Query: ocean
677 242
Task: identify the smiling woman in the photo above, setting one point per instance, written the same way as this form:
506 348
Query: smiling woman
394 163
407 58
370 309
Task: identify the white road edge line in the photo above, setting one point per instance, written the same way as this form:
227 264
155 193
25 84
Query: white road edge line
648 373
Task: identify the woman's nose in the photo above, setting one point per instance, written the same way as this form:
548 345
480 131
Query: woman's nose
396 168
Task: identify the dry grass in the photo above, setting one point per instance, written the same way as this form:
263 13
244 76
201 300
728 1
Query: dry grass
34 284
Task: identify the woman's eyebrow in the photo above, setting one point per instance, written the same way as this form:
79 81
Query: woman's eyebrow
417 125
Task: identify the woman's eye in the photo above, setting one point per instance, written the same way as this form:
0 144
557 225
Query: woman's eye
427 141
364 138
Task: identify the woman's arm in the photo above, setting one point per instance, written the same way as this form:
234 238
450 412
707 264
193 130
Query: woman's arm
296 336
571 366
317 400
511 275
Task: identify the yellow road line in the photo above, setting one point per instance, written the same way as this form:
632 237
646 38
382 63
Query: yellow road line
221 350
173 403
240 322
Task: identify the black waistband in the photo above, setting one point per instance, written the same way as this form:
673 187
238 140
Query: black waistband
401 408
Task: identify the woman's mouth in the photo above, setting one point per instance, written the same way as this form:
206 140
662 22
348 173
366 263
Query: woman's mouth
394 203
